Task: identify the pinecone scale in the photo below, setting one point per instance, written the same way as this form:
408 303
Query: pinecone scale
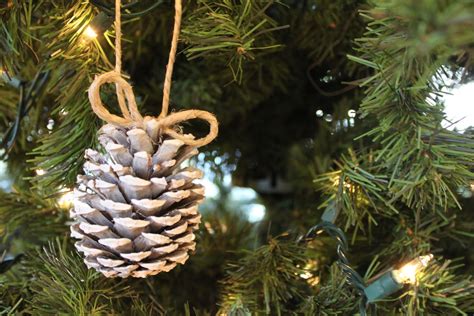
136 208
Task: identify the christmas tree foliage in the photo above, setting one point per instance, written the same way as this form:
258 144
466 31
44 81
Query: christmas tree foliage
331 121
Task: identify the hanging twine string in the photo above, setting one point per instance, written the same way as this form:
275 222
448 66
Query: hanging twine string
169 68
126 98
118 58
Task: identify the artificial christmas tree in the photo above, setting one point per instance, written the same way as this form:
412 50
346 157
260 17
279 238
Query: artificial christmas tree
338 106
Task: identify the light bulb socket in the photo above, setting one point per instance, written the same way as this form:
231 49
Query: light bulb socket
101 23
382 287
331 213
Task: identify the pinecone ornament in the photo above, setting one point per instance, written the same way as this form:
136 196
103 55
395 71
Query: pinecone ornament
136 209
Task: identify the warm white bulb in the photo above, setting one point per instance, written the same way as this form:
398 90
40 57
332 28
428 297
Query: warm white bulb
65 200
90 33
40 172
407 273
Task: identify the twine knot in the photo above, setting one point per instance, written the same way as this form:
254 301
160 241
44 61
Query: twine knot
126 98
133 118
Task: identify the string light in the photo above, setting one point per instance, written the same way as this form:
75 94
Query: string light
308 276
98 25
336 180
407 273
90 33
65 200
385 285
393 280
40 172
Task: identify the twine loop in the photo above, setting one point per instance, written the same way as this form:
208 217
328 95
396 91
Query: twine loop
126 98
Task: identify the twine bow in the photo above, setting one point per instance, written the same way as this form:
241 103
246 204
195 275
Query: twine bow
126 98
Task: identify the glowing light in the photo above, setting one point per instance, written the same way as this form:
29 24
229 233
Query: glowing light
217 160
242 194
40 172
458 109
65 201
335 181
5 181
227 180
313 281
407 273
466 192
50 124
328 118
306 275
212 190
255 212
223 228
209 228
90 33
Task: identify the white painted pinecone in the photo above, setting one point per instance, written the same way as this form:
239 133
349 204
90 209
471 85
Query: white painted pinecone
135 208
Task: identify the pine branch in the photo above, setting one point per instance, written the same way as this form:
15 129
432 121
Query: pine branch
359 190
234 30
18 66
29 218
265 279
16 42
406 49
332 297
74 60
334 23
63 285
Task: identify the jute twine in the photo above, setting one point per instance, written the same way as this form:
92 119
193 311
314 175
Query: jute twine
126 98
